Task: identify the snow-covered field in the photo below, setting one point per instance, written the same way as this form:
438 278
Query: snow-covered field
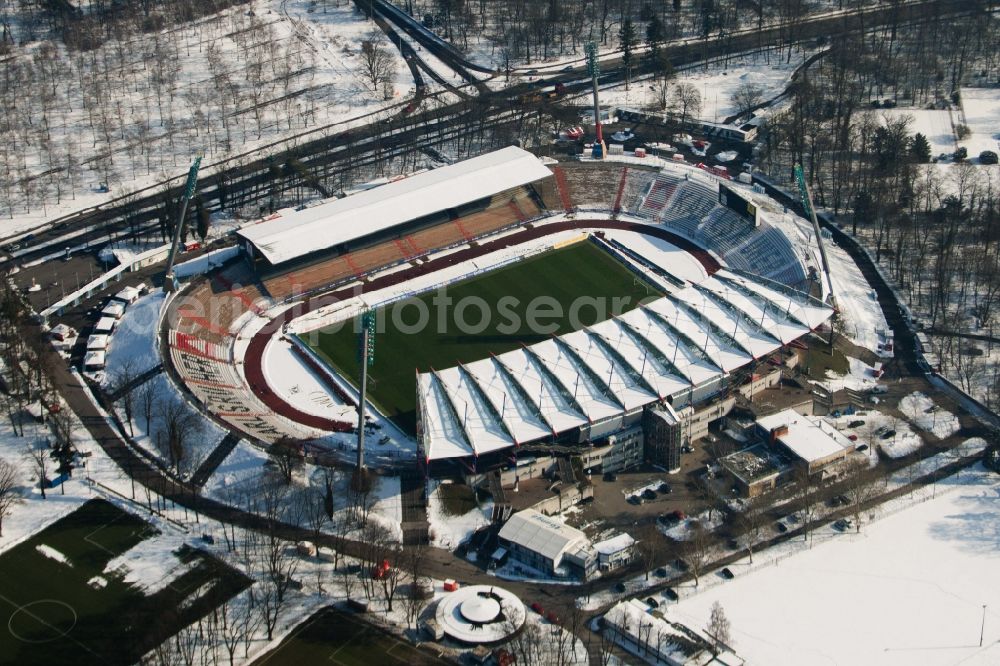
981 111
910 590
933 124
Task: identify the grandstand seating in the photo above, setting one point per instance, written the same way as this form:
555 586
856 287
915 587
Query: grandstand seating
504 210
657 198
723 230
637 184
593 185
766 253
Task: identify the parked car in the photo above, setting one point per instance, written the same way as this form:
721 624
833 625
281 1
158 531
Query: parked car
781 527
988 157
727 573
537 607
678 515
857 423
665 488
652 603
863 447
552 617
669 593
634 499
623 136
852 437
620 587
610 476
843 524
888 434
648 494
661 572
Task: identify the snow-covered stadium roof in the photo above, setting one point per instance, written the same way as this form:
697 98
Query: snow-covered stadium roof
693 336
295 234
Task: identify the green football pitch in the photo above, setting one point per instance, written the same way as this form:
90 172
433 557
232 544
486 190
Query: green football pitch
59 606
339 639
549 294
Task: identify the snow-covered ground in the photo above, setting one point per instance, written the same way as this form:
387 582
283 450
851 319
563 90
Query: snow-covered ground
981 112
133 344
910 589
199 442
716 84
308 63
926 415
448 530
934 124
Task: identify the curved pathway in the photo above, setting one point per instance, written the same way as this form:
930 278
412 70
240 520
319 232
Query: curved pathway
253 360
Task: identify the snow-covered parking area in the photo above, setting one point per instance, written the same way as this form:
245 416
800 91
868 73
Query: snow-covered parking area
911 589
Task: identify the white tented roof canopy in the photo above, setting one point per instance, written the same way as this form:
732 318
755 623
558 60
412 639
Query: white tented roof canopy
543 535
670 346
297 233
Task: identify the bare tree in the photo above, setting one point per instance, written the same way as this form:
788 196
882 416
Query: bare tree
746 97
650 545
145 400
376 60
751 523
179 426
120 385
38 454
10 490
698 550
286 455
718 626
862 486
687 102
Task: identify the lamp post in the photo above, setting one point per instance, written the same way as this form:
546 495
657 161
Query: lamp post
982 626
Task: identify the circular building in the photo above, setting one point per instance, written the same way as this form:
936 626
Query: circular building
480 614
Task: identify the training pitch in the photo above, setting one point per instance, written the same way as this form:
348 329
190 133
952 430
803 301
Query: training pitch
336 638
581 279
58 606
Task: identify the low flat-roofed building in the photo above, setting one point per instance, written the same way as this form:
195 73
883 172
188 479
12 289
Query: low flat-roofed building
815 443
753 470
615 552
547 545
655 640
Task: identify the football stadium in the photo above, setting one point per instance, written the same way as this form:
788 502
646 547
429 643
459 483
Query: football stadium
510 305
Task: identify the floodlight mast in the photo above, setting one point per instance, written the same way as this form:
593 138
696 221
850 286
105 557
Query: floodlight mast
807 204
170 282
594 69
367 357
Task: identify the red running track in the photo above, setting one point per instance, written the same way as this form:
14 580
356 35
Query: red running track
253 361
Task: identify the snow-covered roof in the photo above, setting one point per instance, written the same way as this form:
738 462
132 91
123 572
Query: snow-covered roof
94 359
615 544
667 347
810 439
113 309
543 535
128 294
293 234
97 341
105 325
